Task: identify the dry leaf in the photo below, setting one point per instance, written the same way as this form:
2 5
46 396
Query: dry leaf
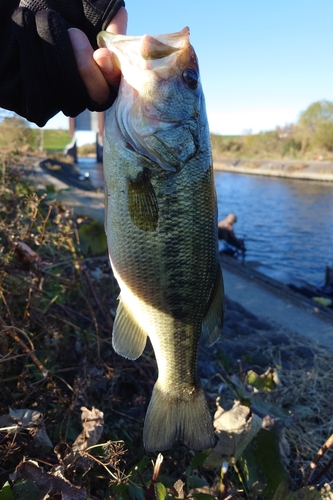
30 420
93 423
235 429
73 457
179 487
25 254
48 484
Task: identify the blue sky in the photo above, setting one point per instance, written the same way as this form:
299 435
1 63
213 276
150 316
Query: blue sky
262 62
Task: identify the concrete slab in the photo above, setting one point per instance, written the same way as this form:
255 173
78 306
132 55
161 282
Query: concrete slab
294 169
274 302
88 203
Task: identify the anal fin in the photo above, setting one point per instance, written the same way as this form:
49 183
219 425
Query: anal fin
128 338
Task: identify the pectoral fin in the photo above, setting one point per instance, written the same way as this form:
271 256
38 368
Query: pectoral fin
213 321
128 338
142 202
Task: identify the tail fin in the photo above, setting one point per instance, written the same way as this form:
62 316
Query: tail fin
184 417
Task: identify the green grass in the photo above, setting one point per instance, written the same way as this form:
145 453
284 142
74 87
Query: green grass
55 140
15 135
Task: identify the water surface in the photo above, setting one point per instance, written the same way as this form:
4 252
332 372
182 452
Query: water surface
287 224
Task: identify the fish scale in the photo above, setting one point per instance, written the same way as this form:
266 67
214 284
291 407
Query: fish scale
161 225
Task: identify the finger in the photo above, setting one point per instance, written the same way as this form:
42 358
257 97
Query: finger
118 24
104 58
93 79
107 64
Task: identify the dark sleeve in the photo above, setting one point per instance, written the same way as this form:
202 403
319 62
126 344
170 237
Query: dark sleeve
38 71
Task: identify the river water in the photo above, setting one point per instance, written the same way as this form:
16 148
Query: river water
287 224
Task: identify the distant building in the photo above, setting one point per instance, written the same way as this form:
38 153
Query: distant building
87 120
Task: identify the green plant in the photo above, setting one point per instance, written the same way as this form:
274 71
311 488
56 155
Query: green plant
15 133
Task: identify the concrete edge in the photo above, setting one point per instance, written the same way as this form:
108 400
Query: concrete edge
222 166
278 289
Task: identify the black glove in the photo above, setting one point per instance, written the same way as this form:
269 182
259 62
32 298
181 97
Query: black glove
43 72
90 16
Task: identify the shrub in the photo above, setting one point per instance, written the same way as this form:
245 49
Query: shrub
15 133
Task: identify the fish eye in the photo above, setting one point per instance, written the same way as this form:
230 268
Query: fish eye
191 78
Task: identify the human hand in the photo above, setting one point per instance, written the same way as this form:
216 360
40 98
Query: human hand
98 69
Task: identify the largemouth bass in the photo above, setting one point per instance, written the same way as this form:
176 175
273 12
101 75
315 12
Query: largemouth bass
161 226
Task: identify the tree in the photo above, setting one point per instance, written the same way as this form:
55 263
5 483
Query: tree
4 113
317 113
324 136
315 126
15 132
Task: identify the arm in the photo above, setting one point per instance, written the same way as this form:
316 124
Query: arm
39 72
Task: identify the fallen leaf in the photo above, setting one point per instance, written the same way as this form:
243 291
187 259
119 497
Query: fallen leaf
93 424
32 421
25 254
179 487
46 483
235 429
73 457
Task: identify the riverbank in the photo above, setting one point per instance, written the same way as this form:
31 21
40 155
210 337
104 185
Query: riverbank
261 295
293 169
258 335
88 202
275 303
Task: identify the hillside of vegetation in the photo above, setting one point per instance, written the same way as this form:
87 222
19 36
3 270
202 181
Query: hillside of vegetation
16 134
311 138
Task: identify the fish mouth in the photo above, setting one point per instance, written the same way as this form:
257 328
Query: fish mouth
150 114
